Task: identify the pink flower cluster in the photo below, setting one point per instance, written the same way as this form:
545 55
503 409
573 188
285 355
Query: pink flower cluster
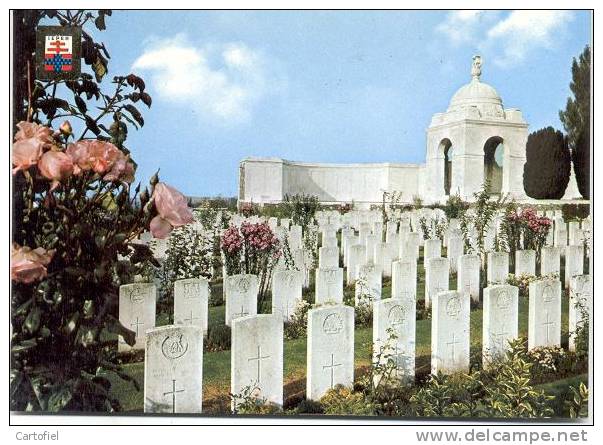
531 220
34 145
27 265
259 236
172 209
231 241
246 209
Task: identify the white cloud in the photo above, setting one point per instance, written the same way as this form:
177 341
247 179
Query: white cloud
523 31
506 40
224 82
461 26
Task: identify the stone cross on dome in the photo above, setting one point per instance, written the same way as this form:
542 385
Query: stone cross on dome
476 67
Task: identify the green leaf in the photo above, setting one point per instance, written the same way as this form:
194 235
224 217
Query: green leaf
81 104
24 346
135 114
100 68
99 22
59 399
32 322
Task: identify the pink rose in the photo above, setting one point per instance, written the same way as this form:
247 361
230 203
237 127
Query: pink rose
30 142
172 209
93 155
29 265
122 170
56 166
29 130
160 228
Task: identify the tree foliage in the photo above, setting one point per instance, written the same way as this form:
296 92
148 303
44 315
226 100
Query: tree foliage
576 120
547 169
68 233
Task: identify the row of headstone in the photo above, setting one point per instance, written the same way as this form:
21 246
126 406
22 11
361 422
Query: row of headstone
174 354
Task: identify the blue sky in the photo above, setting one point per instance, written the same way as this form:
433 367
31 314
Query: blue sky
324 86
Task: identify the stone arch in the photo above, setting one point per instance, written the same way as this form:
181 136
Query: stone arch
447 151
493 164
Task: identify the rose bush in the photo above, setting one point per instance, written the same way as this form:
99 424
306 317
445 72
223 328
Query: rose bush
78 216
254 249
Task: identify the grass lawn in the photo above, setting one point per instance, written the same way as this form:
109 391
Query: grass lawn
216 365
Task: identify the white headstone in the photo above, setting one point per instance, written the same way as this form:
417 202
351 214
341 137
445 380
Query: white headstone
241 296
409 245
191 297
437 278
370 242
468 278
330 350
328 257
368 284
383 258
450 333
137 308
525 262
550 261
329 285
501 318
173 370
286 292
454 251
404 279
432 249
544 317
256 365
498 268
356 258
580 305
574 263
394 322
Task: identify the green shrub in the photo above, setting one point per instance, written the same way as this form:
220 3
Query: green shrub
307 406
296 326
577 404
455 206
250 402
575 212
342 400
547 169
218 338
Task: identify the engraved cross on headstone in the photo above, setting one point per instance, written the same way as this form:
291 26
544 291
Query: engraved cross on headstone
548 324
259 359
192 318
332 367
242 313
453 343
136 324
499 337
399 354
469 285
288 307
173 392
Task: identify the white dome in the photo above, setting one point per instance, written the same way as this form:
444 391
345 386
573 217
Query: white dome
476 94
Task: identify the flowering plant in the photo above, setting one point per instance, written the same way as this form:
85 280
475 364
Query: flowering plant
74 212
247 209
251 248
523 225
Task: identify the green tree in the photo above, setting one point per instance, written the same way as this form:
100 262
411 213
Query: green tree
576 120
547 169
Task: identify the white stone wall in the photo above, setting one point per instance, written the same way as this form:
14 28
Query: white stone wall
269 180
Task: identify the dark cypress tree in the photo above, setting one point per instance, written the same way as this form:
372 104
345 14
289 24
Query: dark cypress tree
576 120
547 169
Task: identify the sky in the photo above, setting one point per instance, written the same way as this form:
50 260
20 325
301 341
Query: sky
324 86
